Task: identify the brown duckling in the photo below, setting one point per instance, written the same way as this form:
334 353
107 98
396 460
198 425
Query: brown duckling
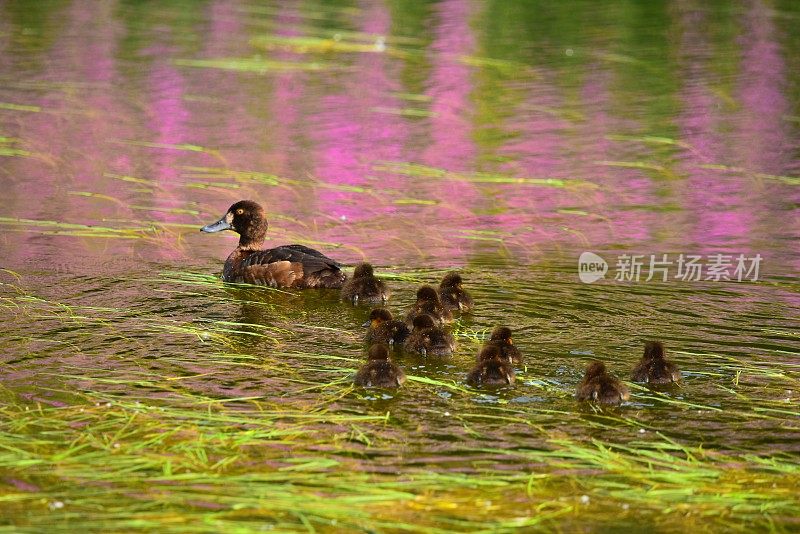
501 338
384 329
428 303
380 371
598 385
364 288
453 295
654 366
492 369
428 339
295 266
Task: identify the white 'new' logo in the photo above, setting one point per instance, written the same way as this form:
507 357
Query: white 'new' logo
591 267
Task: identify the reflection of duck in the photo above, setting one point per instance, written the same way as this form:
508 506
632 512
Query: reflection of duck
453 295
295 266
428 303
364 288
384 329
380 371
654 366
501 338
492 369
598 385
428 339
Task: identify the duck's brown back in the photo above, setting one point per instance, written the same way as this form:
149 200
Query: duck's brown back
492 372
658 371
380 374
604 389
291 266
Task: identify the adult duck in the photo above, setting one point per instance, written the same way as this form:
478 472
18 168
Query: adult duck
293 266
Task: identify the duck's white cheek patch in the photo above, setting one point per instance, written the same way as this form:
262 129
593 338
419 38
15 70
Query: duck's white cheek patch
229 218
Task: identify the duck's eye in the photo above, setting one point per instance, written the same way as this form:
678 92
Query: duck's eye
240 211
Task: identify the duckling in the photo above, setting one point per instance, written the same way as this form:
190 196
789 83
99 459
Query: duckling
384 329
501 338
492 369
654 366
428 339
294 266
380 371
598 385
364 288
428 303
453 295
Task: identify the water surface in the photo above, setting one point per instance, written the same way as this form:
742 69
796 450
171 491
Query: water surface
499 138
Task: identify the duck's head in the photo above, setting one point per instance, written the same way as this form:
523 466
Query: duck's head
653 350
378 316
451 281
247 219
502 333
363 270
427 294
595 369
489 353
378 352
423 320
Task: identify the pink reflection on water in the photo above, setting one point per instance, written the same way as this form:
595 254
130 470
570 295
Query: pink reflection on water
288 95
535 151
762 86
766 146
228 115
551 144
168 118
450 88
355 126
81 115
452 125
620 188
715 204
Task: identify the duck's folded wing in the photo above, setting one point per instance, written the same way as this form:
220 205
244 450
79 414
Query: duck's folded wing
311 263
311 252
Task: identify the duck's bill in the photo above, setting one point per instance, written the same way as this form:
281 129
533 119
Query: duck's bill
218 226
366 325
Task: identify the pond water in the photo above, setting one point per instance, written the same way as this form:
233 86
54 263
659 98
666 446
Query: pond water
499 138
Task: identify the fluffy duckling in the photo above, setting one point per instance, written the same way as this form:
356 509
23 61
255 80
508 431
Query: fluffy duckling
384 329
492 369
428 303
654 366
453 295
501 338
380 371
364 288
428 339
598 385
295 266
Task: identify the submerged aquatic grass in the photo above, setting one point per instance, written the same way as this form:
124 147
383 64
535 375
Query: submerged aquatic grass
142 450
240 463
